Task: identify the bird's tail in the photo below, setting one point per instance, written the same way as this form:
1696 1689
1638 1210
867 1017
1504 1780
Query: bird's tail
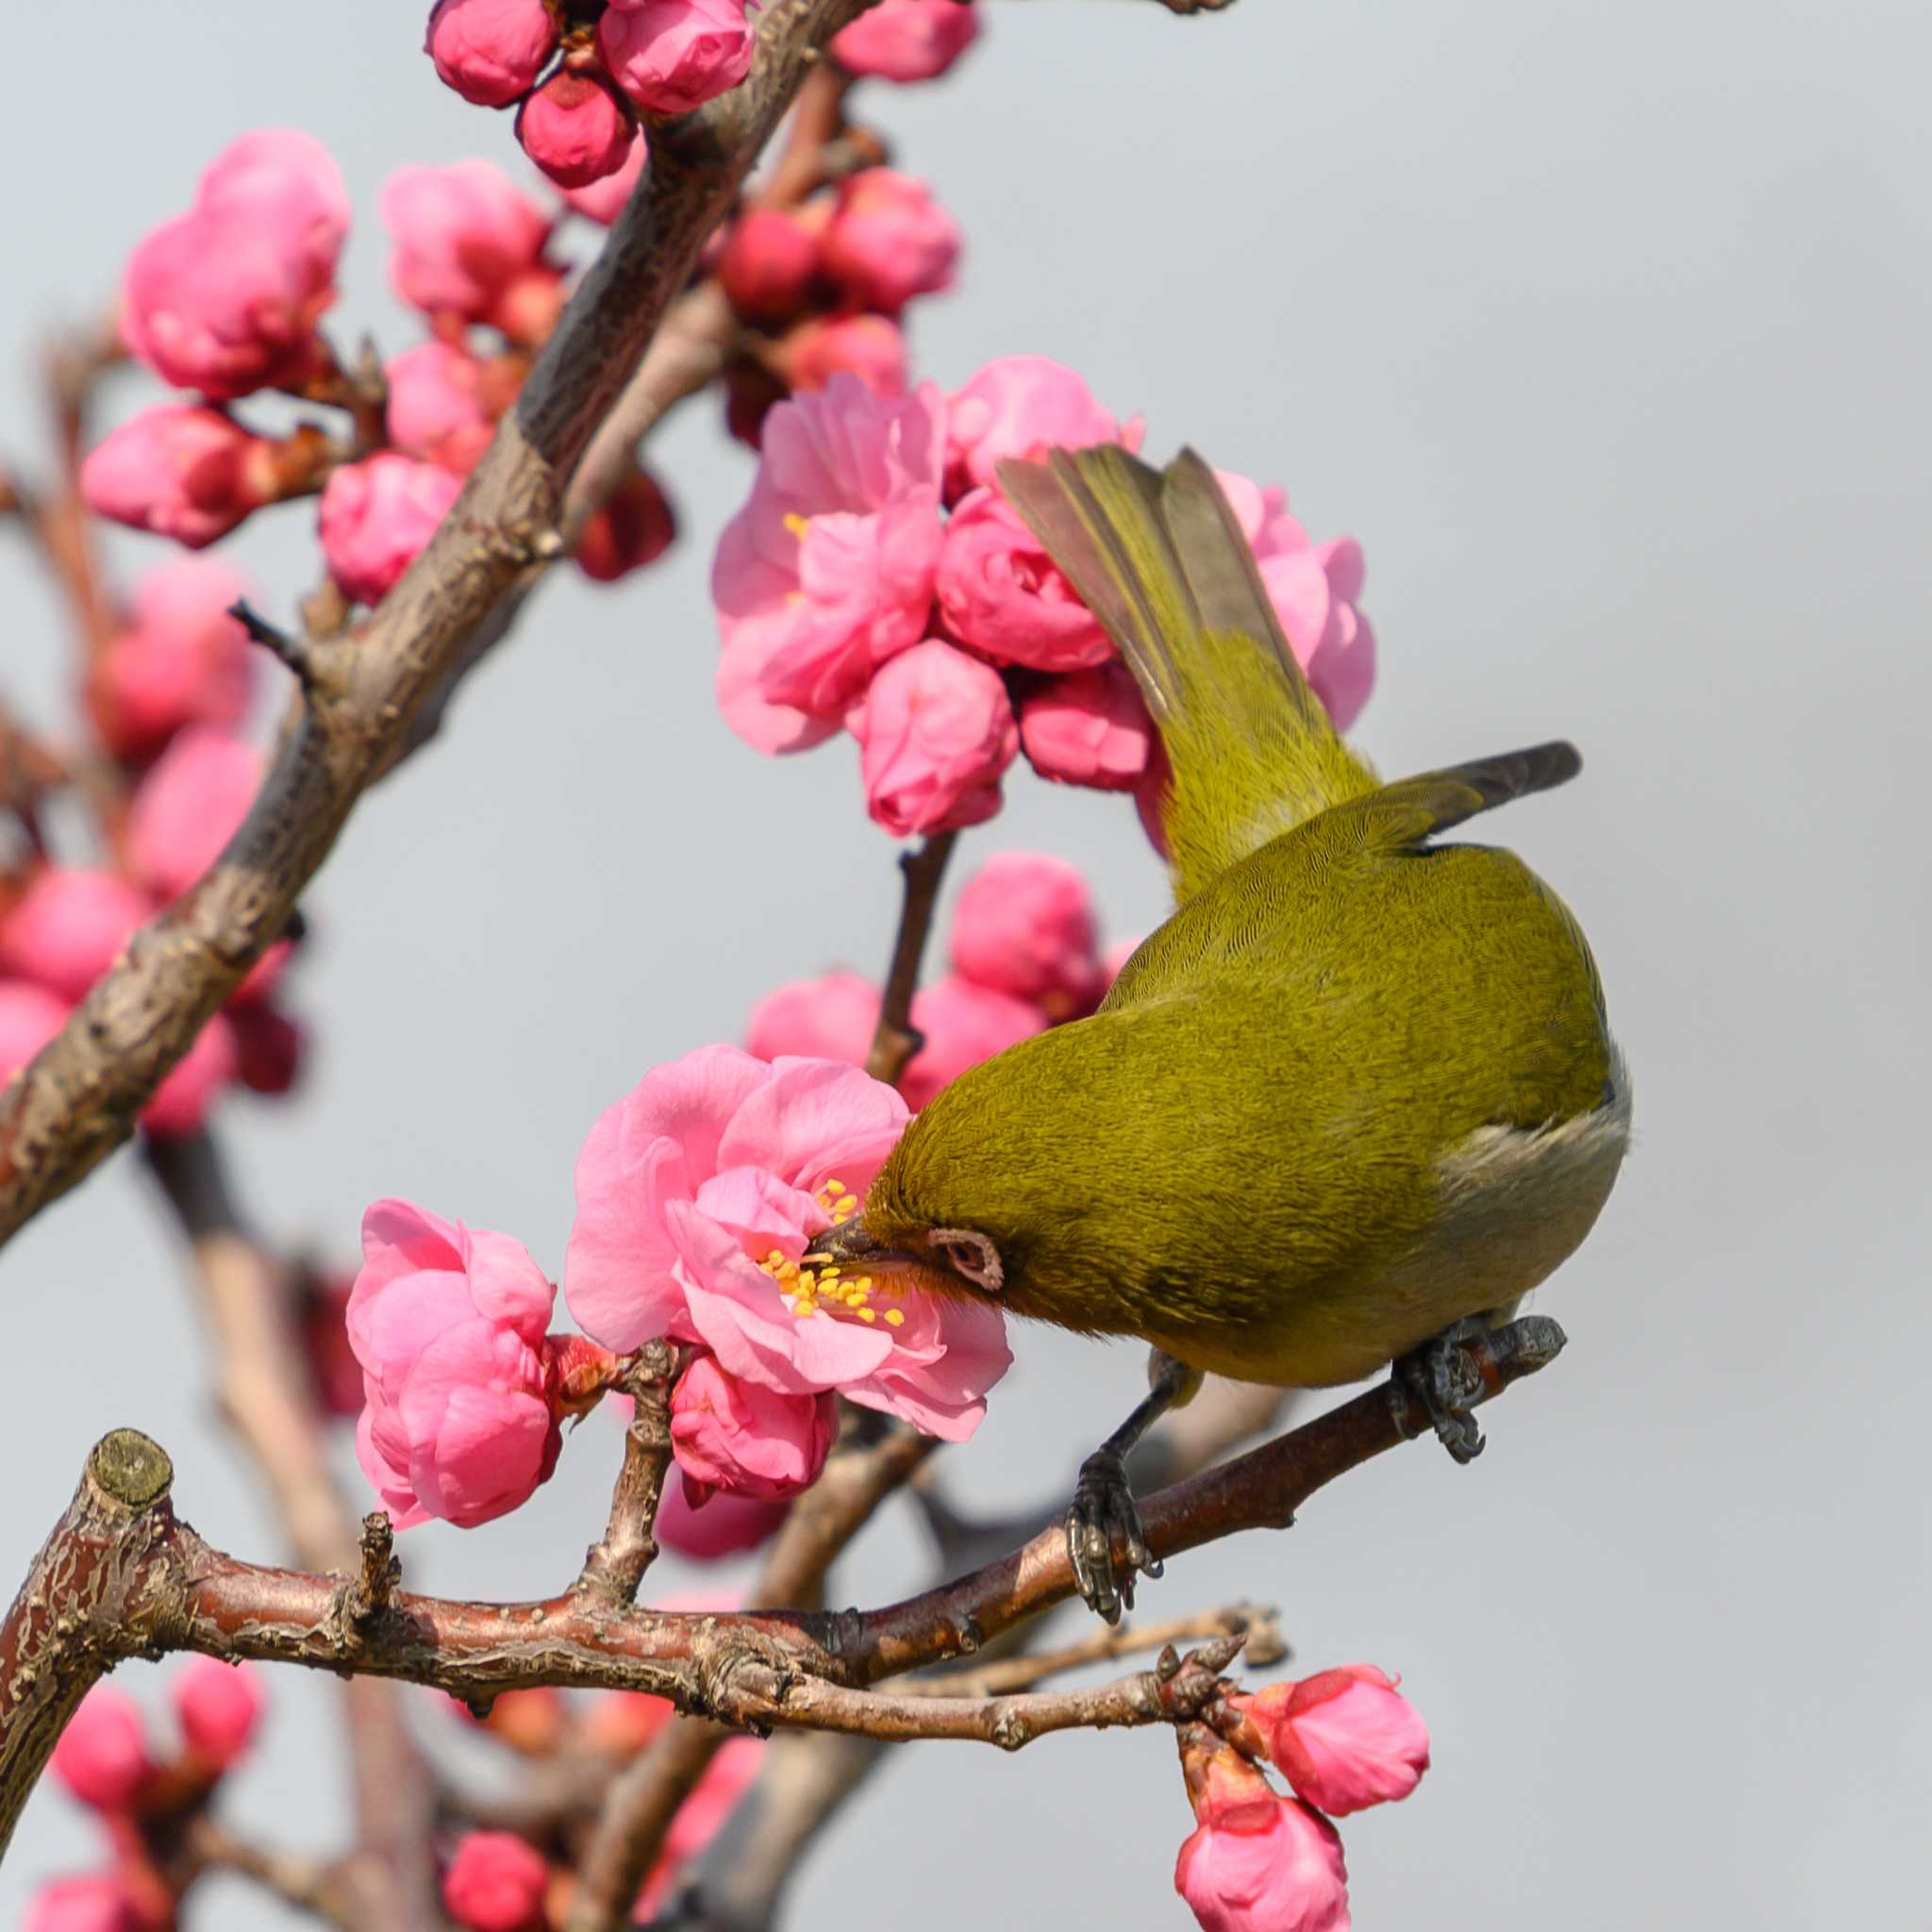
1159 557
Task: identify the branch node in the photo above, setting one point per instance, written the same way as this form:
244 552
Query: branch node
299 654
366 1596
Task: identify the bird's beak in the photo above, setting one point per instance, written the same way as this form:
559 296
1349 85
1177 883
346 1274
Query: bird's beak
850 1249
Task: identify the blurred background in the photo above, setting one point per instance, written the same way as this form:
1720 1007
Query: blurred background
1605 330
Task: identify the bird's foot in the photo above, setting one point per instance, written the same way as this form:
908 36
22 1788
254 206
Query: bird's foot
1446 1375
1102 1515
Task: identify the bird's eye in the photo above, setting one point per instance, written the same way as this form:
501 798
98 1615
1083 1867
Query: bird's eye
970 1255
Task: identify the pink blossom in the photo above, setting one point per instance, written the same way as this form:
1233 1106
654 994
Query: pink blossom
603 201
767 264
30 1016
671 56
496 1883
725 1525
183 661
461 239
1025 925
907 40
1020 405
963 1025
889 240
726 1779
181 1103
935 730
828 569
101 1756
99 1902
376 516
870 347
219 1707
448 1324
1259 1862
192 474
69 927
1345 1738
1003 594
435 407
699 1194
633 526
226 298
269 1047
188 808
1089 727
574 129
490 51
747 1440
830 1018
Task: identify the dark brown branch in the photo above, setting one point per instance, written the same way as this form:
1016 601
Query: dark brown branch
79 1098
895 1043
312 662
614 1567
307 1882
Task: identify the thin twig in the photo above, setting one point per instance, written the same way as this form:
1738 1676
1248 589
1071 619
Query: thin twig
311 663
895 1042
308 1884
615 1566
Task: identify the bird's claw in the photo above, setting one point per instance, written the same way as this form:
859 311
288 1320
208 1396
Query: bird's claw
1443 1379
1103 1514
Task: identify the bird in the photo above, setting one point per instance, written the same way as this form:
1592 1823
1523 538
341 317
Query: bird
1357 1096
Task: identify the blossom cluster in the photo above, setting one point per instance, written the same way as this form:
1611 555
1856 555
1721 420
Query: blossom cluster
165 698
142 1791
1258 1862
1026 956
226 301
878 581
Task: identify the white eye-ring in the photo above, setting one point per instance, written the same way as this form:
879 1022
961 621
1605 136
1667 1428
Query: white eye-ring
970 1255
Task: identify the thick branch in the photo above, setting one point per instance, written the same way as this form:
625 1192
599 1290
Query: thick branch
79 1098
895 1043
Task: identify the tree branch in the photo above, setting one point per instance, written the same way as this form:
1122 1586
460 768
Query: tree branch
79 1097
614 1567
895 1043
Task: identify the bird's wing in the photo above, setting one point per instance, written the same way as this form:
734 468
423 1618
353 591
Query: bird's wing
1411 810
1158 557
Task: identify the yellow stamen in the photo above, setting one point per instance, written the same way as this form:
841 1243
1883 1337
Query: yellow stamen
895 1318
867 1315
798 524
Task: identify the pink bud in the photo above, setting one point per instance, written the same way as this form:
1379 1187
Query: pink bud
496 1883
269 1047
745 1440
1020 406
101 1756
1089 727
68 928
671 56
435 407
963 1025
935 731
767 264
868 346
727 1525
181 1103
448 1325
460 238
190 474
1345 1738
219 1707
1025 927
634 527
890 241
574 129
830 1019
289 183
375 515
1004 595
603 201
30 1016
100 1902
188 808
907 40
490 51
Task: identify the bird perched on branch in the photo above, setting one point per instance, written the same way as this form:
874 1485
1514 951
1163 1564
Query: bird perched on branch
1357 1093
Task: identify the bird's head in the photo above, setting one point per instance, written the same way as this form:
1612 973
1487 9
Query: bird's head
901 1252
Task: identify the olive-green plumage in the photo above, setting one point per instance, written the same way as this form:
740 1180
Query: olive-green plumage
1359 1084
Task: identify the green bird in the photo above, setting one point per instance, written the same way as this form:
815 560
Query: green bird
1358 1091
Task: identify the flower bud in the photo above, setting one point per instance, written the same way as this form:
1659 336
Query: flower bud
1002 594
767 264
935 731
1025 927
671 56
633 526
375 515
1089 727
183 1100
102 1756
460 238
603 201
99 1902
725 1525
889 240
192 474
832 1017
219 1707
868 346
268 1048
1345 1738
733 1435
322 1317
490 51
30 1016
496 1883
436 408
963 1025
907 40
575 130
68 928
188 808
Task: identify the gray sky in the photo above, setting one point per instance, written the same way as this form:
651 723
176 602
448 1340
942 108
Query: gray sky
1604 330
